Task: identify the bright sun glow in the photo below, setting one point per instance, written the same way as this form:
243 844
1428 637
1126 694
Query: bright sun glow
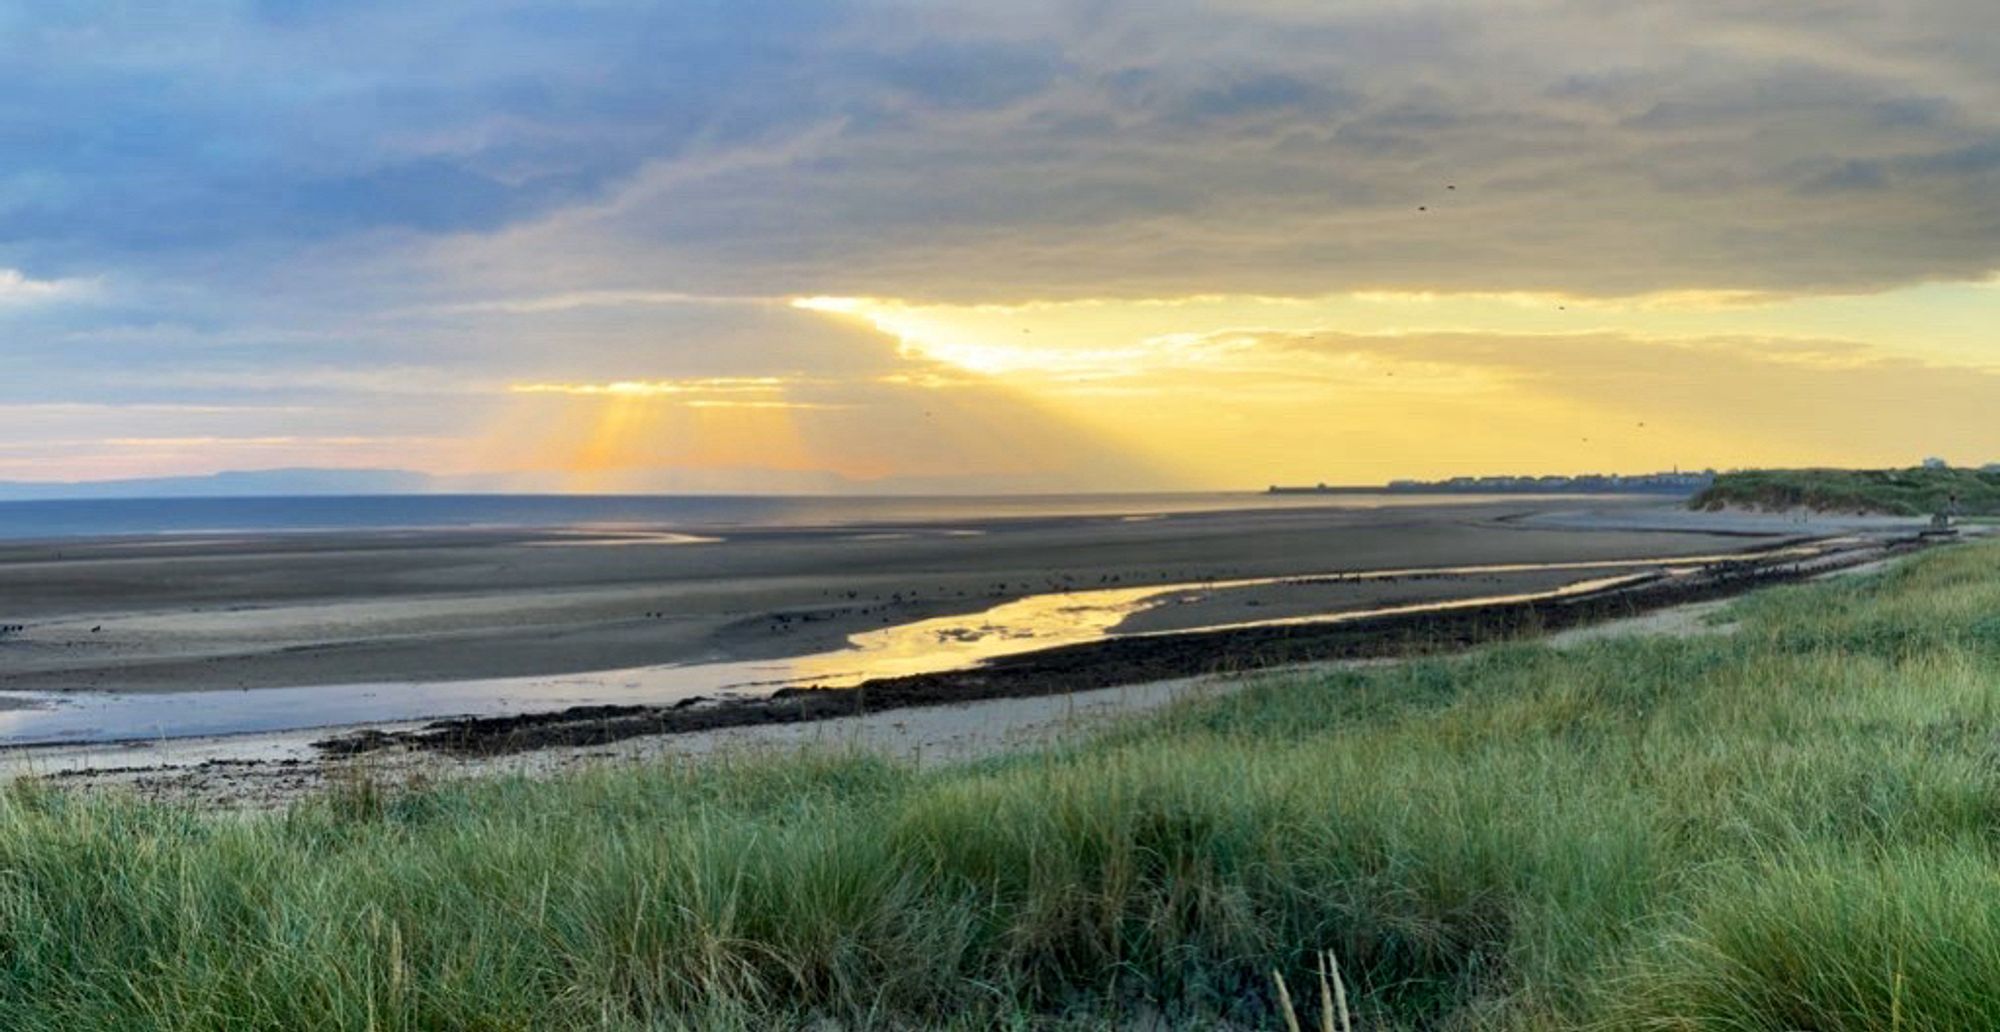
1368 384
923 335
658 388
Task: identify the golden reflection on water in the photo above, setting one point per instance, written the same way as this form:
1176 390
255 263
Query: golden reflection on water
945 642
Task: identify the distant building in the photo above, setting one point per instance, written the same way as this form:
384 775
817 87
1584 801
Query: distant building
1936 463
1675 482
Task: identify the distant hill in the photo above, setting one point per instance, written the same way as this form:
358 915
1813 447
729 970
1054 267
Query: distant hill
1918 491
240 484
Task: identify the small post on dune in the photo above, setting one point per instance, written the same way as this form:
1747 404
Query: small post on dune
1944 517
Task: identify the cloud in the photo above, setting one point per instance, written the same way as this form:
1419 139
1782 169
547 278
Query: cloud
328 217
211 128
1034 152
16 288
716 392
349 440
929 335
658 388
1179 153
532 305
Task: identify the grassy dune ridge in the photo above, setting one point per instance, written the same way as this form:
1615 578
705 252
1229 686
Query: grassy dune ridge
1792 826
1894 492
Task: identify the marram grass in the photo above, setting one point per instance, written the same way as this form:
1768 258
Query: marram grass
1902 492
1796 825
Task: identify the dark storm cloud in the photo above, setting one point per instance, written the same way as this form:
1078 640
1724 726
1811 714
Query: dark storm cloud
1288 149
949 137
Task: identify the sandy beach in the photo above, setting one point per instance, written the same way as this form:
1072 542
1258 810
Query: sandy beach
192 613
262 771
299 619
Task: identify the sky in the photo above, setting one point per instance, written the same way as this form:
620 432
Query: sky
864 245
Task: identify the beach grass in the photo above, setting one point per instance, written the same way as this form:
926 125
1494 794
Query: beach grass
1792 825
1918 491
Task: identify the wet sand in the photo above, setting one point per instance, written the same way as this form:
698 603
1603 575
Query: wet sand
264 771
194 613
1382 633
1162 650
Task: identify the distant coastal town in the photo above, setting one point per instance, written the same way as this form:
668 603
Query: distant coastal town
1673 482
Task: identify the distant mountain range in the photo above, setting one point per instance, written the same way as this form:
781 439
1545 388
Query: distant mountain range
239 484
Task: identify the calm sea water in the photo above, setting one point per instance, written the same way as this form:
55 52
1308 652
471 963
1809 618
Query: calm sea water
101 517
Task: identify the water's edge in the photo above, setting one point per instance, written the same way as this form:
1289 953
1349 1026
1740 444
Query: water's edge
1030 624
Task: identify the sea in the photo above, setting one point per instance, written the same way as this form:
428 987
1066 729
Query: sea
79 518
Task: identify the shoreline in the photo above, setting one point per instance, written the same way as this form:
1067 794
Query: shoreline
1125 660
1031 625
1260 590
265 771
250 612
